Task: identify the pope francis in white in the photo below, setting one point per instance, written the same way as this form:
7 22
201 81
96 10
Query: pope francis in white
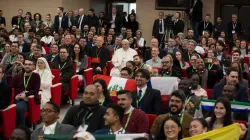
121 57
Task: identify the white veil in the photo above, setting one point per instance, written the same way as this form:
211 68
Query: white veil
46 66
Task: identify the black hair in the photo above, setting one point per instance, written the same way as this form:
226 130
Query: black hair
61 8
81 54
26 131
145 73
227 119
30 59
131 62
65 49
237 51
121 92
105 89
202 121
127 69
231 69
22 54
40 16
28 13
39 47
117 110
179 94
161 134
92 10
55 106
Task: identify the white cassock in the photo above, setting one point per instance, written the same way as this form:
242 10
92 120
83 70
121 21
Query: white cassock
119 60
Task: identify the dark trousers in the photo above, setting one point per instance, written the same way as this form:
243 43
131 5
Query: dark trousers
21 108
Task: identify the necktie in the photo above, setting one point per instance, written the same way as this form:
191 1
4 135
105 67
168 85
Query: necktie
138 99
139 95
161 26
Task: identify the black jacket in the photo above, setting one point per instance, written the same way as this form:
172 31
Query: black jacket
178 27
208 26
95 122
14 21
26 48
134 26
156 27
64 23
152 102
238 29
49 58
93 21
84 21
197 11
118 22
2 20
5 95
103 55
176 72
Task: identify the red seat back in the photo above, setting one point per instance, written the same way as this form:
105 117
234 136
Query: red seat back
12 96
73 87
74 66
164 101
114 99
151 119
88 76
184 71
8 121
110 66
56 73
47 49
89 62
209 93
246 60
34 110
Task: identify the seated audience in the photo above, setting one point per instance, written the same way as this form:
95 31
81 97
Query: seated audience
179 57
168 68
16 67
43 69
241 80
139 63
155 61
226 62
145 98
198 126
13 36
25 85
9 58
50 115
99 56
23 46
126 73
65 65
211 62
37 52
104 95
231 78
88 116
131 64
134 120
147 53
170 129
5 92
21 133
196 87
192 68
47 39
121 56
140 41
190 50
155 73
113 119
117 45
81 61
54 55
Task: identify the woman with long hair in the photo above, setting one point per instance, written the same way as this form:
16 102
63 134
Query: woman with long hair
180 59
37 22
104 95
198 126
204 44
221 115
81 61
110 40
43 69
170 129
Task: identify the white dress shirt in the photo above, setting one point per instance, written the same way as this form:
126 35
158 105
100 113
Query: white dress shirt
48 39
80 21
60 21
161 21
50 129
143 90
13 38
113 18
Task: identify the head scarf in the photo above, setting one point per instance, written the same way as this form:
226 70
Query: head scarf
46 66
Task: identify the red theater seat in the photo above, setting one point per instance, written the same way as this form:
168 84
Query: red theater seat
56 73
89 62
114 99
151 119
164 101
73 87
209 93
8 121
56 91
184 71
88 76
110 66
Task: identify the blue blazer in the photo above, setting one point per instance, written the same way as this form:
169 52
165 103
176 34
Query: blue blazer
64 24
103 132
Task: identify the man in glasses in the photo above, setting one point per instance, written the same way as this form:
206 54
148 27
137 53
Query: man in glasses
50 115
25 85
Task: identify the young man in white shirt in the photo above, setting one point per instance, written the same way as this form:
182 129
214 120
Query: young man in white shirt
47 39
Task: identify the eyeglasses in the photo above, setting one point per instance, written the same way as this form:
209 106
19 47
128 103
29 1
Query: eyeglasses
63 52
165 62
172 127
47 111
224 90
28 64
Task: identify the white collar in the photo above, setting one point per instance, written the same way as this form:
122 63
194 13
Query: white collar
130 110
142 89
120 131
52 126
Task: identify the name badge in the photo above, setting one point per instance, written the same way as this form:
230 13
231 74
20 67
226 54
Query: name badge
233 31
203 32
82 129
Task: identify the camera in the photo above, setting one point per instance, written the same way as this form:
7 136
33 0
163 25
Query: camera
169 22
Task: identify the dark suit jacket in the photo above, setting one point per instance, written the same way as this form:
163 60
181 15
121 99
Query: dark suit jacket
84 21
241 93
64 23
178 27
134 26
238 29
156 27
61 129
147 54
49 58
93 21
197 11
118 22
14 21
26 48
208 28
152 102
2 20
5 95
104 56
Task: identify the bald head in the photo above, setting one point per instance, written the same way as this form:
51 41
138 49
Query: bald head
154 42
81 11
90 95
99 41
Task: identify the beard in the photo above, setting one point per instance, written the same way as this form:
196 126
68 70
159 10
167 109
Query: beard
28 71
176 112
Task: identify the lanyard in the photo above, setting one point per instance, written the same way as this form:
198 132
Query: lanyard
25 84
142 66
11 59
62 66
129 116
182 114
89 115
210 66
137 101
101 103
53 131
234 25
205 26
